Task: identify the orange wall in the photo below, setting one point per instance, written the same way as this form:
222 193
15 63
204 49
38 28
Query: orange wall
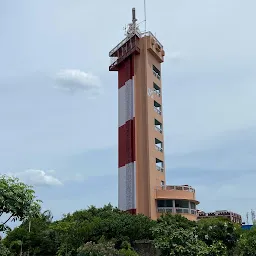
147 175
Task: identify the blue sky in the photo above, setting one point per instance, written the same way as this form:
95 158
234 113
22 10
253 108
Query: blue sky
58 102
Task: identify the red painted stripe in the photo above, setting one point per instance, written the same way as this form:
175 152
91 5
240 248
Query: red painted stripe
126 133
131 211
126 143
125 71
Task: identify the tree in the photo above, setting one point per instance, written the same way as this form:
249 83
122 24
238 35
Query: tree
215 231
127 250
17 201
100 249
92 224
3 250
176 235
41 240
247 243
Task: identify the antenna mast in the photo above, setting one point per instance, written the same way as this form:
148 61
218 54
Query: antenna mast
253 216
145 16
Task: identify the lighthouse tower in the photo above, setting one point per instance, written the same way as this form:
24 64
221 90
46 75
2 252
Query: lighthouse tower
142 185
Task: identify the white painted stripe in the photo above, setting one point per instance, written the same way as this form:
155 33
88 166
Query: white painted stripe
126 102
127 187
122 188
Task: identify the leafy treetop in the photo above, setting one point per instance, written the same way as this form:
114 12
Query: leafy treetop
17 201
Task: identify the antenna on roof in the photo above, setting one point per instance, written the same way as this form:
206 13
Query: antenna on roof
134 16
125 29
133 28
145 15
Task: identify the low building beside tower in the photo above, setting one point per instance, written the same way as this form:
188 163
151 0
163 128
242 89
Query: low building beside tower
233 217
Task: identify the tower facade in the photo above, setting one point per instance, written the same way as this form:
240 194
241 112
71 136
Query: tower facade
141 167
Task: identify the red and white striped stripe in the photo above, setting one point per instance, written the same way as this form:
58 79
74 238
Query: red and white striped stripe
126 138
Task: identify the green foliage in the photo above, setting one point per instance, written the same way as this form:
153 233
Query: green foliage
247 243
109 231
215 230
100 249
105 248
17 201
217 249
39 241
175 235
127 250
65 236
3 250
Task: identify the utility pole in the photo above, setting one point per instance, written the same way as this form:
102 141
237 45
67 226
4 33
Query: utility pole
29 229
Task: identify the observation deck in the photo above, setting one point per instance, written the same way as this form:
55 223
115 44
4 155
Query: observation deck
176 200
132 44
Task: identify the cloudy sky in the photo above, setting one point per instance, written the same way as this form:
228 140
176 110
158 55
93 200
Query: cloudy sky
58 102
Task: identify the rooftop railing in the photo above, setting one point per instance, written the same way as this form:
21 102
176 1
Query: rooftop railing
157 110
128 38
159 168
180 188
176 210
158 129
150 34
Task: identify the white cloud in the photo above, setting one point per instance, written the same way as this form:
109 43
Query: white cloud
37 177
74 80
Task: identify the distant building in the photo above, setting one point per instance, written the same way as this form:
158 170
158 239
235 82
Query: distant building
233 217
247 227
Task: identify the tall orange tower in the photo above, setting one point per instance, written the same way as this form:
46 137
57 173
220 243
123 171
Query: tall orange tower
141 167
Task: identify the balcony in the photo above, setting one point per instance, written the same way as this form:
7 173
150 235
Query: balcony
165 209
176 192
186 208
176 210
160 169
158 126
123 50
158 111
157 107
156 72
158 148
158 129
157 90
158 145
159 165
176 187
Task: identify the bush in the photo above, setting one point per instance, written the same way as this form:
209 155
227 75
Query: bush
3 250
100 249
127 250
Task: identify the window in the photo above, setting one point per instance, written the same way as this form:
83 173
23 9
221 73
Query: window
160 203
157 107
162 183
159 165
158 145
156 89
156 72
192 205
181 204
164 203
158 126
